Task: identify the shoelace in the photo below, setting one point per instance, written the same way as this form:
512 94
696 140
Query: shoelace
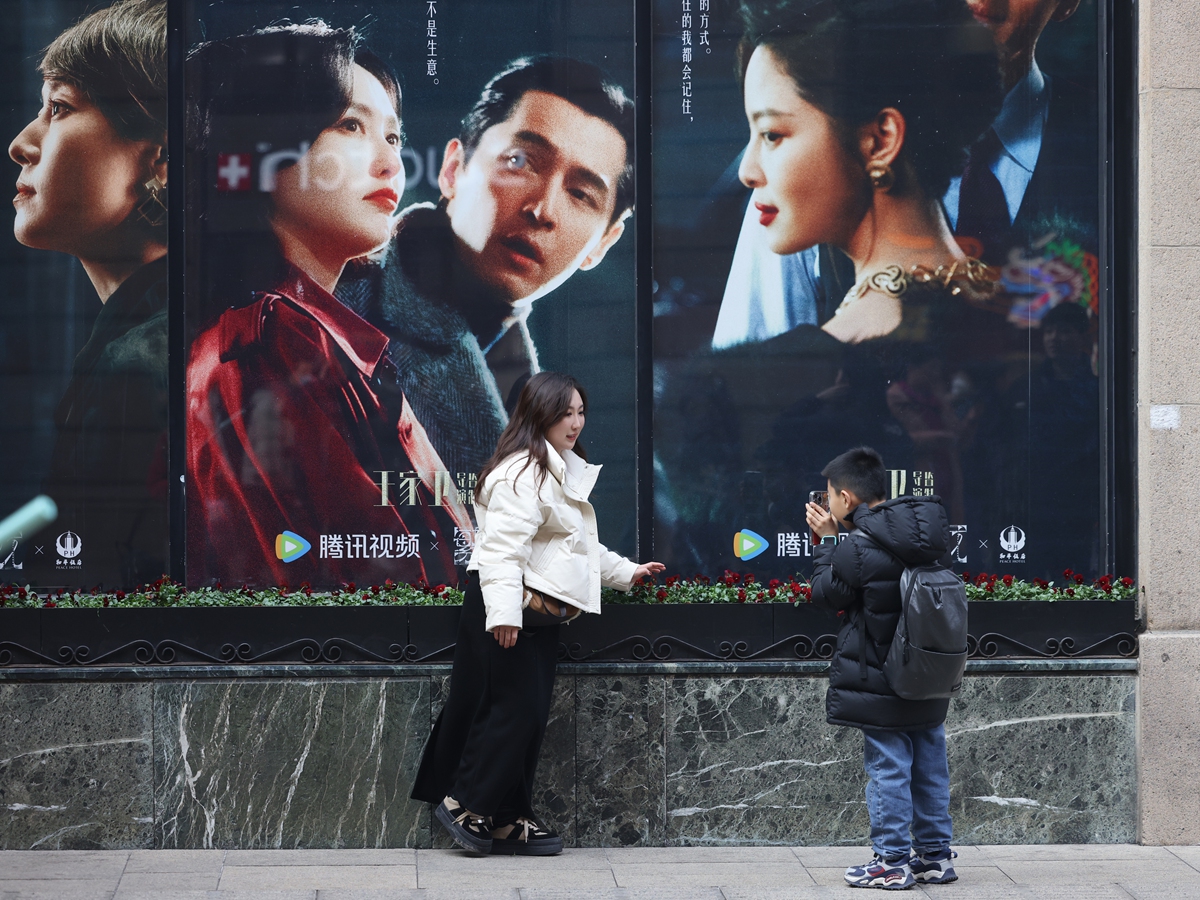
465 815
528 828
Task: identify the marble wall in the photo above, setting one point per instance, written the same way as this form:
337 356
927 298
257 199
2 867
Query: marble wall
650 760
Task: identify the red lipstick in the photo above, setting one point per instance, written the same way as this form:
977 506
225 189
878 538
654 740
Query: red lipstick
385 198
766 213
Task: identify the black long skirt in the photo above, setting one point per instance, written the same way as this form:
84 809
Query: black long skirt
484 747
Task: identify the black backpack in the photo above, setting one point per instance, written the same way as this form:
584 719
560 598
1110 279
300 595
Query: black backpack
928 654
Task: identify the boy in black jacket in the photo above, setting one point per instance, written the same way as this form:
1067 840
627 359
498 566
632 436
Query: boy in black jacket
904 741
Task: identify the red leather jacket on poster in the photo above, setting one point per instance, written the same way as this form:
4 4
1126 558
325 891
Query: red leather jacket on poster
292 413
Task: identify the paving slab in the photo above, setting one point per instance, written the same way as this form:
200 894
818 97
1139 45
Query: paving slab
624 893
169 881
770 874
698 854
197 861
1152 891
1099 871
1079 892
317 877
1073 852
807 892
1190 855
69 864
213 895
398 857
59 889
960 891
493 893
439 860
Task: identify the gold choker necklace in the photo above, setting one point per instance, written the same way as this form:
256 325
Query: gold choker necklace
895 281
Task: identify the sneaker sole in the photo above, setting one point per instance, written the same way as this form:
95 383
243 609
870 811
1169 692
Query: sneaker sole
944 880
511 847
460 835
882 887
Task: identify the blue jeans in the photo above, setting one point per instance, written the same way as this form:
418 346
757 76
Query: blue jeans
908 790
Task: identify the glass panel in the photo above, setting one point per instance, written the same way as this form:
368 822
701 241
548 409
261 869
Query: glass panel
774 349
359 330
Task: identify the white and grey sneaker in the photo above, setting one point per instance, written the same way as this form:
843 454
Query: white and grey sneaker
934 868
890 875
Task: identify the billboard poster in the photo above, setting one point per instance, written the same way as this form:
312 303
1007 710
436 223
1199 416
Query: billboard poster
877 223
83 319
396 214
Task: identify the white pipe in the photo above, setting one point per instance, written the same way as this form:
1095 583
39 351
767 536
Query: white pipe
33 516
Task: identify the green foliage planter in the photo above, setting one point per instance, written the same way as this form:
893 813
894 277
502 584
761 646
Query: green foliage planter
733 618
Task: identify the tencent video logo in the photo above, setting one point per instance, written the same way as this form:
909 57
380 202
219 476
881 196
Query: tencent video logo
747 544
289 546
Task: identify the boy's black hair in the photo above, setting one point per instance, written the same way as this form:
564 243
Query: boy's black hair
859 471
576 81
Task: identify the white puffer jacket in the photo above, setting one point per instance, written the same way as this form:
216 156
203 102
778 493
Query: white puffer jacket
542 536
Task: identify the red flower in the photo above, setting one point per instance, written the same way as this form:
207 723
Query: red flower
1038 582
1127 582
672 581
967 577
741 595
351 587
771 593
1079 579
49 604
1068 574
1070 592
1008 580
748 578
988 587
105 602
120 595
661 595
774 583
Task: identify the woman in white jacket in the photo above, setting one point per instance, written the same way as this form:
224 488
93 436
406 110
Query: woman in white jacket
536 545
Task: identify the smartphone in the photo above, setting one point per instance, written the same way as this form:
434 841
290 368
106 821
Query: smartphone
821 498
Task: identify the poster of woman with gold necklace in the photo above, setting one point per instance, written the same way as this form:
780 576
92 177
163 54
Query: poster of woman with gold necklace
879 227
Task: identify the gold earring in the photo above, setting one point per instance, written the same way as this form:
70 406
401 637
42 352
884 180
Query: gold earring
153 208
881 175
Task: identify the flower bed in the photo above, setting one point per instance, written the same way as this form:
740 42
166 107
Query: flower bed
730 588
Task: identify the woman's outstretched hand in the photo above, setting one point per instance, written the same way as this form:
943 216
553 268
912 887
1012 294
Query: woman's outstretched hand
650 568
506 635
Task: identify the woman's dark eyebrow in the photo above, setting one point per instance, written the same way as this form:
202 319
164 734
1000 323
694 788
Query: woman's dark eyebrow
534 139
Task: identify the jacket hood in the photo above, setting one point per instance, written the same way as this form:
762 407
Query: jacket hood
913 529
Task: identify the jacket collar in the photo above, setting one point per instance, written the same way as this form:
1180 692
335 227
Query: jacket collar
576 476
359 340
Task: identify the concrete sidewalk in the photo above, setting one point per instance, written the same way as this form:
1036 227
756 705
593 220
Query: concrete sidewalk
1044 872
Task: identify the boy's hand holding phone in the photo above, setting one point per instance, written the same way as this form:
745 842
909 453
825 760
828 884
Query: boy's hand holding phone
819 519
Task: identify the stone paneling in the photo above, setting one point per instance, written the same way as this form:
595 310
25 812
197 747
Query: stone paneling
751 761
619 760
75 766
1043 760
289 764
628 760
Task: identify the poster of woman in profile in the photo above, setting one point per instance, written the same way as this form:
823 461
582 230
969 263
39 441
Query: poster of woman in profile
397 214
84 308
877 223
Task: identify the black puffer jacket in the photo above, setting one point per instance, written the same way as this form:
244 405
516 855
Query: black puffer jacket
861 577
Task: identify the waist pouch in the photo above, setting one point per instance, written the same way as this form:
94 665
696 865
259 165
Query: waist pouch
539 610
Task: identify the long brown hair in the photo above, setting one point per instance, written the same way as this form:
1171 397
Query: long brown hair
544 400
